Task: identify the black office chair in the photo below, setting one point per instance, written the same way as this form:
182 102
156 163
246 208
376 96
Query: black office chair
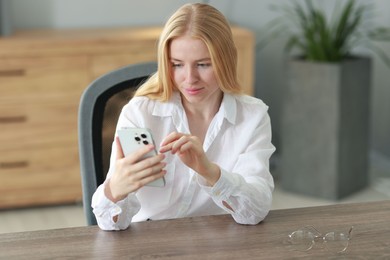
100 106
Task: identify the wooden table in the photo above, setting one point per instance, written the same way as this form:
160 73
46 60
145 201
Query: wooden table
212 237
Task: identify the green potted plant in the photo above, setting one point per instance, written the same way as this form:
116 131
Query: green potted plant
319 38
325 118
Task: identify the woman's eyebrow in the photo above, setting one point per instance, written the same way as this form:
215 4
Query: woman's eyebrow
200 60
204 59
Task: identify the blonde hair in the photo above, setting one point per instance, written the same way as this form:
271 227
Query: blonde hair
203 22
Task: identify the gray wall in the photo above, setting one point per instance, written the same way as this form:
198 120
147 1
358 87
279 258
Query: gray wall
270 68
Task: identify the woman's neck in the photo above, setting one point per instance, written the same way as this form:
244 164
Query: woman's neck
199 116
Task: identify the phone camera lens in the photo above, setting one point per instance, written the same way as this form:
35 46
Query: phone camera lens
143 136
145 142
137 138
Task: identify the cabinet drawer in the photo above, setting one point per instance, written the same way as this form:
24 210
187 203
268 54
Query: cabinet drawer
42 76
39 167
39 151
33 173
39 120
42 176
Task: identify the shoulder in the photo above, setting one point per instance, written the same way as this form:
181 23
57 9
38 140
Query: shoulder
138 100
137 112
250 103
151 107
243 109
141 103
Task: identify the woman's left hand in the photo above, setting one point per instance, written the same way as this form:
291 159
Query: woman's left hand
190 151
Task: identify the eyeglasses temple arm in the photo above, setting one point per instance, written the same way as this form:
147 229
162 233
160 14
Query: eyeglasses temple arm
313 228
350 232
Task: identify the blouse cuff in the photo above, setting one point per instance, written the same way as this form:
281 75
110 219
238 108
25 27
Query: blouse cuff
107 210
222 189
106 206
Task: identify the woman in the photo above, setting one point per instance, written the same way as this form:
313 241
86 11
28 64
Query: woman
215 143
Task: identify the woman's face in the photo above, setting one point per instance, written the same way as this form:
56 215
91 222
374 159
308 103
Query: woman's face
192 71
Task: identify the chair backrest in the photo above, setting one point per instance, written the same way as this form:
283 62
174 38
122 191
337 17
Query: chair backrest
100 106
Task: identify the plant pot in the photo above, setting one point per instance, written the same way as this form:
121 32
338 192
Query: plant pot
325 128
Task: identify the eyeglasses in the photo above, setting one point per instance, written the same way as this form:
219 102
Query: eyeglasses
304 239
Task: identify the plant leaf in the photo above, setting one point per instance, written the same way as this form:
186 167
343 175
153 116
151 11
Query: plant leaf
309 31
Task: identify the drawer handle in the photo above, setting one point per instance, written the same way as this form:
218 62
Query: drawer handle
14 165
12 73
13 119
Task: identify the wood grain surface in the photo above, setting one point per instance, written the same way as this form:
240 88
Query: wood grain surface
212 237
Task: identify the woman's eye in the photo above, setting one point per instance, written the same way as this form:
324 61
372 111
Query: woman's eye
177 65
204 65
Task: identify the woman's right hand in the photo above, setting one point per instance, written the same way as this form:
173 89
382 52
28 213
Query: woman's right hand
131 174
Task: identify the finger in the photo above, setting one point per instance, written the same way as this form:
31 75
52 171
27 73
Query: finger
170 138
149 174
154 177
185 147
119 151
147 163
166 148
155 169
138 154
179 143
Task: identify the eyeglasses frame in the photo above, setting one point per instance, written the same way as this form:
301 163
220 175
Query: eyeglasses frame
319 235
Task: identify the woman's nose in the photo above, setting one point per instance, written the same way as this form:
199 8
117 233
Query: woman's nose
191 75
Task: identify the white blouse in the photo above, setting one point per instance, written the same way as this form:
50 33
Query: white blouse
238 140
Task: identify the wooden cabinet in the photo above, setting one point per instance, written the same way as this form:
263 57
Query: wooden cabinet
42 77
38 129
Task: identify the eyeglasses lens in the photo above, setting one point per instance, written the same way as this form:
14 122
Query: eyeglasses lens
336 241
302 240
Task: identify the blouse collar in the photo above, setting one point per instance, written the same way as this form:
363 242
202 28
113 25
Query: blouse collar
228 108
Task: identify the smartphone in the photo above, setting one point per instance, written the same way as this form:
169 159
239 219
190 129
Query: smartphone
132 139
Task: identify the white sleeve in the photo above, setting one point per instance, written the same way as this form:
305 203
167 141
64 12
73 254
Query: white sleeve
105 210
250 202
248 188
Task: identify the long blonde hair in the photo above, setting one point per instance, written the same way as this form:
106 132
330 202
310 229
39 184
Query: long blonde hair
200 21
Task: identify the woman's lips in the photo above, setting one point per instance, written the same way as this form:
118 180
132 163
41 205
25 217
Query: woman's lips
193 91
